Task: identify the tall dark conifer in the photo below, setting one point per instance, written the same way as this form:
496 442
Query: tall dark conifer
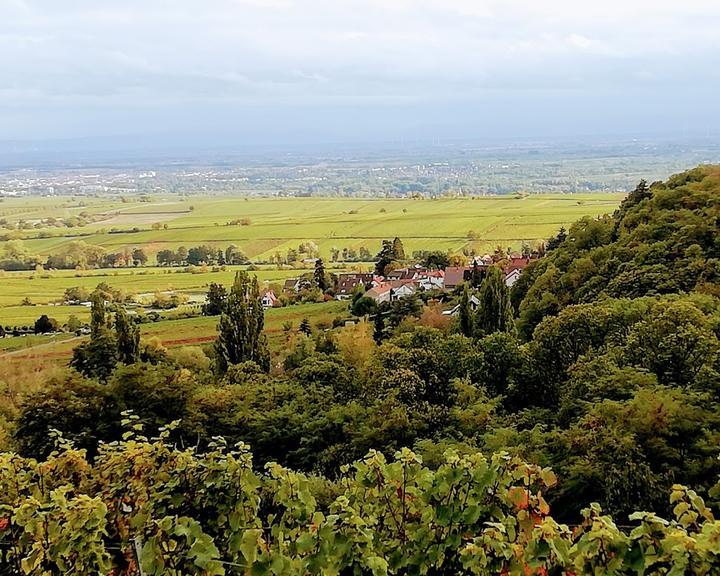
557 240
305 327
384 257
642 191
379 322
476 276
465 313
319 275
98 315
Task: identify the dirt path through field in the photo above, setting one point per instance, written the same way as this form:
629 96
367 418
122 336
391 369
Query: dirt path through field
30 350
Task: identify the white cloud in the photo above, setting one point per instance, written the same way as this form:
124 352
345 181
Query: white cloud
345 52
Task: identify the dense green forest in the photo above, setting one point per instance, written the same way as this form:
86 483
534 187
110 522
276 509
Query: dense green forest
602 364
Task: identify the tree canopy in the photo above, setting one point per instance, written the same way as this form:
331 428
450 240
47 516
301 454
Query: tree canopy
240 330
663 239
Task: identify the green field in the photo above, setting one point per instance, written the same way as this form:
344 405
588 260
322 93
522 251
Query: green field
281 223
173 333
31 341
276 224
195 330
26 315
49 287
45 291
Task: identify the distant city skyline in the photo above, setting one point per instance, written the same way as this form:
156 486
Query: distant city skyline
291 72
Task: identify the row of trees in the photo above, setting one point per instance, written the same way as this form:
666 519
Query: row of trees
349 254
76 221
305 251
76 254
79 254
203 254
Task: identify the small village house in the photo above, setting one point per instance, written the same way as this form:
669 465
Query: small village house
348 283
456 275
269 300
380 293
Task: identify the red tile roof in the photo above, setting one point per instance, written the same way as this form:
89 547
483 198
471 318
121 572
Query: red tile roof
516 264
378 291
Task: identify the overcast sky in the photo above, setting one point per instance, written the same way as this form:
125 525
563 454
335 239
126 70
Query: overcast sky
288 71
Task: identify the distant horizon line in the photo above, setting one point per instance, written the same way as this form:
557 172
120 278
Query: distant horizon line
224 139
117 151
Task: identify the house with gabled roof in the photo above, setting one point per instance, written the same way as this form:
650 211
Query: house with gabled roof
431 280
402 274
295 285
402 289
348 283
380 293
512 277
456 275
392 290
269 300
474 303
514 269
485 260
291 285
518 263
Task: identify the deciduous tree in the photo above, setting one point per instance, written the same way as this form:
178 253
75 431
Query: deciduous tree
127 334
45 325
215 300
494 313
240 331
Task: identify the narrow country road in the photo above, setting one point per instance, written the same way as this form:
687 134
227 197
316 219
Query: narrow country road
32 349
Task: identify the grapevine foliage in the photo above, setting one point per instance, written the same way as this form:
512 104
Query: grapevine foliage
146 504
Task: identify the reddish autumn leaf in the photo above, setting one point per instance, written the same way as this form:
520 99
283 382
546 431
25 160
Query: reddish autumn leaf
519 497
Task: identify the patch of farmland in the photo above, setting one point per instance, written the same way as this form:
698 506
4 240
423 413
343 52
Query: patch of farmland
138 219
46 289
26 315
185 332
255 248
282 223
